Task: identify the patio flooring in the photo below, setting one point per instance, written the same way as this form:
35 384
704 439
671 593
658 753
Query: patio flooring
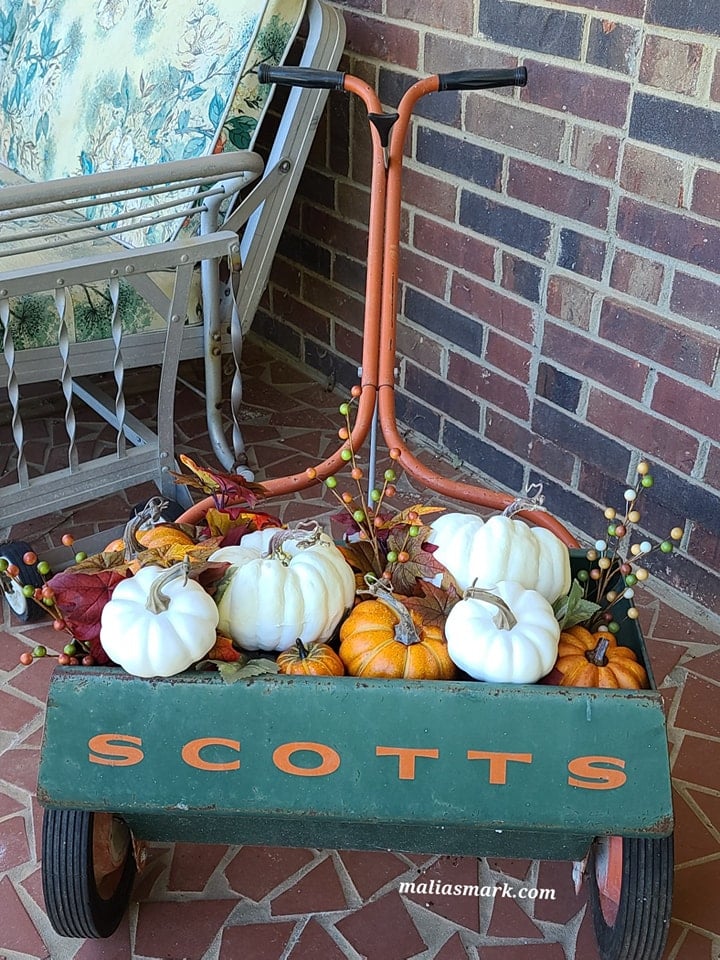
218 902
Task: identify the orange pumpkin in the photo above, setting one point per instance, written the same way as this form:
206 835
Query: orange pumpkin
316 660
588 659
382 638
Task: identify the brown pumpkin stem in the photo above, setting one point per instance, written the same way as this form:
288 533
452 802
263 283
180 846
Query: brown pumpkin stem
507 618
405 630
151 513
157 601
533 501
596 656
306 534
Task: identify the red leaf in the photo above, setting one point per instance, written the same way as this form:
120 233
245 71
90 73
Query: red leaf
81 598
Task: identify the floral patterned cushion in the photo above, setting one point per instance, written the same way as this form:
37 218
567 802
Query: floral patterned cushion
93 85
9 12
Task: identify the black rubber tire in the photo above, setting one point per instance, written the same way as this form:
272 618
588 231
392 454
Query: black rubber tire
25 610
642 924
73 903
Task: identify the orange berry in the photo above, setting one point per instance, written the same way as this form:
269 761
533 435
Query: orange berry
13 570
58 625
67 540
311 473
356 391
30 558
395 453
356 473
26 659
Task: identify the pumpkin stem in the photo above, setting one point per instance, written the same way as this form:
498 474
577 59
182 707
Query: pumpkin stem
157 601
306 534
151 513
405 630
505 618
597 656
301 649
533 501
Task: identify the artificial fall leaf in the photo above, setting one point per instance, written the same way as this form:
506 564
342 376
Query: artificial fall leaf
435 603
233 523
246 667
420 565
404 516
80 597
223 650
224 487
99 562
361 557
209 575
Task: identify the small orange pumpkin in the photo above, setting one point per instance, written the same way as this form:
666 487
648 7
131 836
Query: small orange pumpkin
588 659
315 660
382 638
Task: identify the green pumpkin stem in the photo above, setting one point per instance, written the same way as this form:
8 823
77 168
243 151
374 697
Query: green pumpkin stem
157 602
306 537
596 656
506 616
150 513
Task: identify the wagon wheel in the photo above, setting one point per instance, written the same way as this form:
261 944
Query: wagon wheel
631 896
24 609
88 870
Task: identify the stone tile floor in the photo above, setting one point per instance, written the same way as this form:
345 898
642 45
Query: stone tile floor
217 902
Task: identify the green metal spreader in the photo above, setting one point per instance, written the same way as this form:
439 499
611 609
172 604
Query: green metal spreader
458 767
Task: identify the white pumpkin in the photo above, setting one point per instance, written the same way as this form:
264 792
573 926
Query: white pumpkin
485 552
157 623
283 586
507 635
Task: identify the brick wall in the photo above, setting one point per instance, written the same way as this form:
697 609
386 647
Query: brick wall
559 274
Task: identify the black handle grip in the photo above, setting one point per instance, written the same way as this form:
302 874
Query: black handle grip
301 77
483 79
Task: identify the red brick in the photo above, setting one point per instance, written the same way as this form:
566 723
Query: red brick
488 385
507 122
347 342
655 437
671 64
429 193
595 152
678 400
419 345
375 37
443 53
335 232
570 301
564 195
425 274
456 17
523 443
497 310
594 360
706 194
712 468
637 276
577 93
353 203
715 89
332 299
651 174
652 335
680 236
509 356
303 316
696 299
462 250
704 546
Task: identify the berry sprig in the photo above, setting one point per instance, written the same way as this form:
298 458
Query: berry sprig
388 535
74 652
614 558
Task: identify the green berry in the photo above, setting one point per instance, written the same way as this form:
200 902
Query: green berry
80 556
647 480
48 601
414 530
70 649
43 568
28 591
40 651
3 564
392 556
375 495
390 475
583 576
613 626
344 409
346 455
611 530
331 483
359 516
630 580
666 547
